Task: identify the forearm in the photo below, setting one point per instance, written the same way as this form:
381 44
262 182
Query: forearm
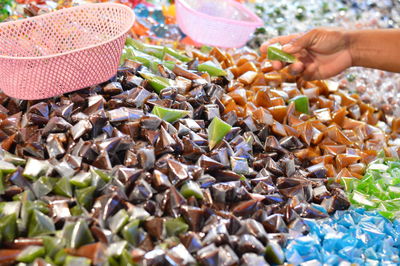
375 49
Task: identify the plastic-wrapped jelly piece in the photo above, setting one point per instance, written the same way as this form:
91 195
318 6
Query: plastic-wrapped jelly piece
158 16
142 10
160 30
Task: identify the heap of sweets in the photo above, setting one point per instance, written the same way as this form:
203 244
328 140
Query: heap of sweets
288 17
341 133
157 21
356 237
379 189
151 168
377 87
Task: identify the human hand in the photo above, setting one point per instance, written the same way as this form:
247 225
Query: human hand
322 53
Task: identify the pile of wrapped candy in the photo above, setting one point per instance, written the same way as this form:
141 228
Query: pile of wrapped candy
198 156
287 17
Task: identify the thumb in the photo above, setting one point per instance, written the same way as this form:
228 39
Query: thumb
302 42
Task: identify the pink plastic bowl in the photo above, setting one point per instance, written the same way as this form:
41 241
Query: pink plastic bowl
223 23
62 51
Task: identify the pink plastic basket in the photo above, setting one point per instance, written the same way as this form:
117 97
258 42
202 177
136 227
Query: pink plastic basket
223 23
62 51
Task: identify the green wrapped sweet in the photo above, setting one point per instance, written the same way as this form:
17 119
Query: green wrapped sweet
212 69
1 184
274 253
176 226
177 54
85 196
81 180
63 187
77 234
30 253
7 167
35 168
191 188
169 115
116 249
133 233
217 130
8 227
301 103
43 186
40 224
158 83
12 158
156 50
74 261
275 53
379 189
116 222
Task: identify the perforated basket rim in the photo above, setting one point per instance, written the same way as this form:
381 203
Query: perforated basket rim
68 10
256 20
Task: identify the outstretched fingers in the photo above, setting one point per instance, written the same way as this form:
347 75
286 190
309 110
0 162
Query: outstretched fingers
297 44
281 39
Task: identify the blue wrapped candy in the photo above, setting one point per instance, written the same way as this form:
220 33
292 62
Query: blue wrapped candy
354 236
141 10
158 16
160 30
